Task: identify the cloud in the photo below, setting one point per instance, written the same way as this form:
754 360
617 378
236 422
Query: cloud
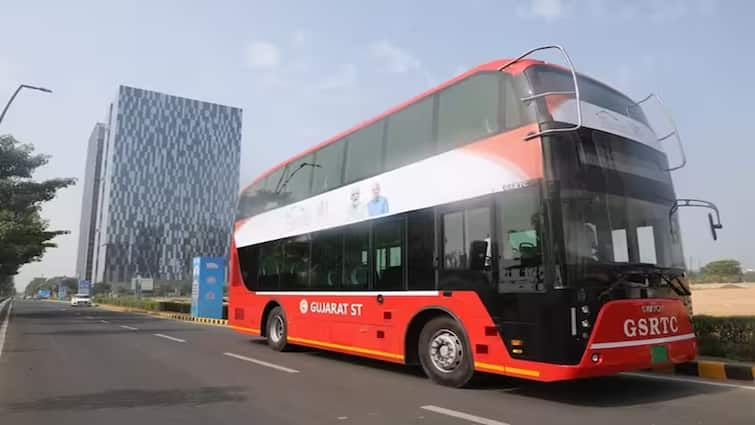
262 55
343 78
394 59
550 10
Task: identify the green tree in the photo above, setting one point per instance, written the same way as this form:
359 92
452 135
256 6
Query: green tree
722 271
24 235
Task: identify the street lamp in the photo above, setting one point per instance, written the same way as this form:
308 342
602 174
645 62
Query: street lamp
15 93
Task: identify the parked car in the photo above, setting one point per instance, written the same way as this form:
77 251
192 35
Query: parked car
81 299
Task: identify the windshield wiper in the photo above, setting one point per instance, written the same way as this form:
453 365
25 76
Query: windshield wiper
646 272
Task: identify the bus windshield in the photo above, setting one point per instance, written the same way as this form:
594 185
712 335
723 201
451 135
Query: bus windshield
615 197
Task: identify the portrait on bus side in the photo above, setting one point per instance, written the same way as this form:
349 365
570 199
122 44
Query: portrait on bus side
378 205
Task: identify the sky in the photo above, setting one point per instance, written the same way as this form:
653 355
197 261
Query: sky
304 71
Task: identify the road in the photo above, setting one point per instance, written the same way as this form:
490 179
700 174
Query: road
64 365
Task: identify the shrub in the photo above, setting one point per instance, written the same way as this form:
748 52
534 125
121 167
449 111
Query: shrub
730 337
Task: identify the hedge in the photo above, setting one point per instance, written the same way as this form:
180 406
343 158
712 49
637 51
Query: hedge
728 337
152 305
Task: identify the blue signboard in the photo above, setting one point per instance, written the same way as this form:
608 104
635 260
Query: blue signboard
208 280
85 287
62 292
43 293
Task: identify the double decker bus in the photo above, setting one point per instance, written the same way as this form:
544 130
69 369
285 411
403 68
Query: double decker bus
519 219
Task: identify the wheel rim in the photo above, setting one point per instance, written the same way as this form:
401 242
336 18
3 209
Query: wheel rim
446 350
277 329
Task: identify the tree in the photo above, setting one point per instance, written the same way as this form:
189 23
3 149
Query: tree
24 235
722 271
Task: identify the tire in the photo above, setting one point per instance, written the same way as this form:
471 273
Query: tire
444 352
277 330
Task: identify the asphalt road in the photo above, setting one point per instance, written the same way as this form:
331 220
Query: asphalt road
63 365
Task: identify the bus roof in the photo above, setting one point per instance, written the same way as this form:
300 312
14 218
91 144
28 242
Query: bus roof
494 65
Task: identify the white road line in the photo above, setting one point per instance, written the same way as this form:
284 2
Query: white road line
89 317
170 338
462 415
261 363
4 327
104 321
131 328
688 380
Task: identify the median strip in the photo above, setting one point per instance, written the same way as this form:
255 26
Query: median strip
261 363
4 327
170 338
462 415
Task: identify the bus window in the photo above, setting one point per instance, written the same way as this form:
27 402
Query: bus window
295 272
454 255
519 221
356 249
467 234
327 256
327 175
410 135
364 152
468 111
297 179
248 258
270 265
420 250
389 261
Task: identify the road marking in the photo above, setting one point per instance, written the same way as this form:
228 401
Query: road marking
131 328
688 380
170 338
4 327
462 415
261 363
104 321
89 317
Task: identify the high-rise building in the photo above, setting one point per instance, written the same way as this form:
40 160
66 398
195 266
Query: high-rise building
169 180
87 225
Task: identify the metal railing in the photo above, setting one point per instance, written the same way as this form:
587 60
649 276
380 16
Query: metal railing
674 132
575 92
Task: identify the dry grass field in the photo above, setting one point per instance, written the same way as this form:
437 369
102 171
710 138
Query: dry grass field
724 300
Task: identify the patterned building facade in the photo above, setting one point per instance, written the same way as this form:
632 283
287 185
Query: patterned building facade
90 198
170 176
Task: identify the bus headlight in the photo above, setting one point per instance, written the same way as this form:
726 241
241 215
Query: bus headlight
585 323
585 309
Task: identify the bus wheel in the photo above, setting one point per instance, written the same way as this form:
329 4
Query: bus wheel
277 330
444 352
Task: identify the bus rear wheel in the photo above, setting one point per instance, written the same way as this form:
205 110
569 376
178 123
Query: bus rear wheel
277 330
444 353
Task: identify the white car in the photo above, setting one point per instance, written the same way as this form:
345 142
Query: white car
80 299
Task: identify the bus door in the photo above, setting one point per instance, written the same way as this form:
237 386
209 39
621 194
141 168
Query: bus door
388 278
466 249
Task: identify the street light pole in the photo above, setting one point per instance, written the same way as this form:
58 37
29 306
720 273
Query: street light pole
15 93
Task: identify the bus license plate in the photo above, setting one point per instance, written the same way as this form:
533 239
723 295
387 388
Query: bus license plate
659 354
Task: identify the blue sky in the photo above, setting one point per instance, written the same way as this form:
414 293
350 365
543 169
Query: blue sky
305 71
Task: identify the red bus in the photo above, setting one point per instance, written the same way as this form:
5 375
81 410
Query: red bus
519 219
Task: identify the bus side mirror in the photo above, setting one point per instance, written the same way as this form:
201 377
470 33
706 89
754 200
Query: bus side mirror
713 222
714 226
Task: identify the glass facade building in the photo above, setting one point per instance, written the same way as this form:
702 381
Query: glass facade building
169 179
88 222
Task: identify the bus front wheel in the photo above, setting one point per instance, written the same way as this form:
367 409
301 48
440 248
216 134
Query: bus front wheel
444 352
277 330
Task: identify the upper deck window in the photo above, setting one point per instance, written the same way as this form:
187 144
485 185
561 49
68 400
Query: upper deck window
544 78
